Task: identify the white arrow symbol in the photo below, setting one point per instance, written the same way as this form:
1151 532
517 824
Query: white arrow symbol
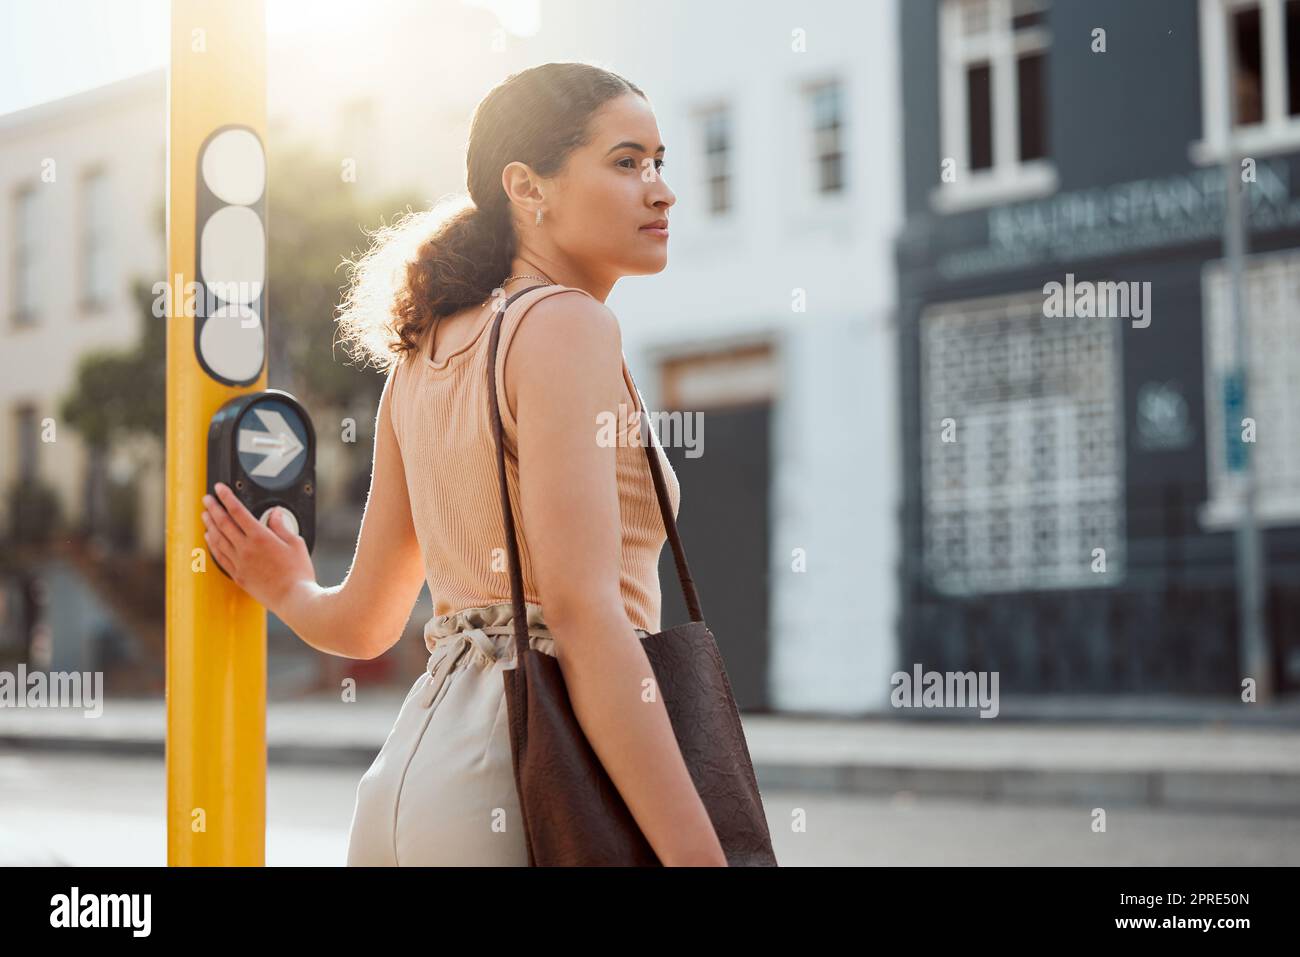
278 443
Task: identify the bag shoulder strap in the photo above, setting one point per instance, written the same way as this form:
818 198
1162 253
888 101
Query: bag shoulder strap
689 592
656 473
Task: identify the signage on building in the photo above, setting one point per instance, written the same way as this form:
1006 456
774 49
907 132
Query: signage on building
1124 218
1234 406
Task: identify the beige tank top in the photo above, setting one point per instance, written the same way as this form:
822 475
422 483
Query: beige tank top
443 422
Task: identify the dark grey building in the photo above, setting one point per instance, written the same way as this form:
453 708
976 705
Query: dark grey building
1069 450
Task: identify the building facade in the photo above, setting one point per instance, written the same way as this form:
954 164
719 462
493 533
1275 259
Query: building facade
82 216
1071 427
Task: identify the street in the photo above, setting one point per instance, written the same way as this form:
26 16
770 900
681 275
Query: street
110 811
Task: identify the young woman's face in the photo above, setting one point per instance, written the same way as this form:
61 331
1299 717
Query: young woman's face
596 210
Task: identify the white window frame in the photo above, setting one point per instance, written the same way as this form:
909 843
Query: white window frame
702 234
95 239
815 154
1276 421
703 116
1009 178
25 203
1278 132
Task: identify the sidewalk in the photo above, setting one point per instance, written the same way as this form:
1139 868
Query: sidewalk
1169 755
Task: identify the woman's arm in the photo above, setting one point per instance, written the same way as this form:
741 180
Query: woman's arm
566 367
362 617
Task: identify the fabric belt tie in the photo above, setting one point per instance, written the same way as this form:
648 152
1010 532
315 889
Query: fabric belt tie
446 656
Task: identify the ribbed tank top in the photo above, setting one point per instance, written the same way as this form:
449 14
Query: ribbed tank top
442 418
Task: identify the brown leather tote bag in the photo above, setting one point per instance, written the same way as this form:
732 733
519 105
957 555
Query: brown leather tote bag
573 814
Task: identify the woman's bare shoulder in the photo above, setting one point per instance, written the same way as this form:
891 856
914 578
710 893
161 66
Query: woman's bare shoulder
569 336
569 318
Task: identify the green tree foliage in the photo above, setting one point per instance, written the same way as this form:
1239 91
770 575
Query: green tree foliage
315 219
122 392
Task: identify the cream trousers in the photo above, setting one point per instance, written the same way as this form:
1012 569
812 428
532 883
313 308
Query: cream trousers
442 790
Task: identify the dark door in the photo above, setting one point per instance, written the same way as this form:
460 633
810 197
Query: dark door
723 523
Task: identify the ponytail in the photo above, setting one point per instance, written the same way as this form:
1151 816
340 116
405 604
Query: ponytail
422 266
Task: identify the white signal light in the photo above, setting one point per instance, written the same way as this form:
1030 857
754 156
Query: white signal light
230 328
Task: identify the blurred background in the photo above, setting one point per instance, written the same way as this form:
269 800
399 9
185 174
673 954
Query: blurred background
907 464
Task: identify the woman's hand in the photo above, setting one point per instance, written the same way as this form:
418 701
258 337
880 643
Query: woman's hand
264 561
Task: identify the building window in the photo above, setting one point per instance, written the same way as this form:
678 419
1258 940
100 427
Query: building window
715 127
1021 450
979 116
27 431
1257 42
1248 74
1270 290
993 92
1293 58
826 107
96 276
26 266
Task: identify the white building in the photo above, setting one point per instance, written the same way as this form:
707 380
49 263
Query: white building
81 213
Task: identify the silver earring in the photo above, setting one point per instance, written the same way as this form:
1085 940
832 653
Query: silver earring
538 219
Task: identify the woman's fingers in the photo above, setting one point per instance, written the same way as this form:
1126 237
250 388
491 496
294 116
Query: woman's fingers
242 517
220 550
220 523
216 534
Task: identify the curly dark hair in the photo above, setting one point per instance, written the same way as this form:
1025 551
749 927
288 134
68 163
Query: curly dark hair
435 262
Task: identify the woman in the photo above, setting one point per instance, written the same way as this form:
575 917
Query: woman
564 168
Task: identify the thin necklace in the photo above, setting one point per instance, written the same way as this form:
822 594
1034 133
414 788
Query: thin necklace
545 279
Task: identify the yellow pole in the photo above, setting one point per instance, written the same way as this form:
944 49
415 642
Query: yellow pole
216 633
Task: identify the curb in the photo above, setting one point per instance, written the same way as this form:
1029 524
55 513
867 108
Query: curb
1260 792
